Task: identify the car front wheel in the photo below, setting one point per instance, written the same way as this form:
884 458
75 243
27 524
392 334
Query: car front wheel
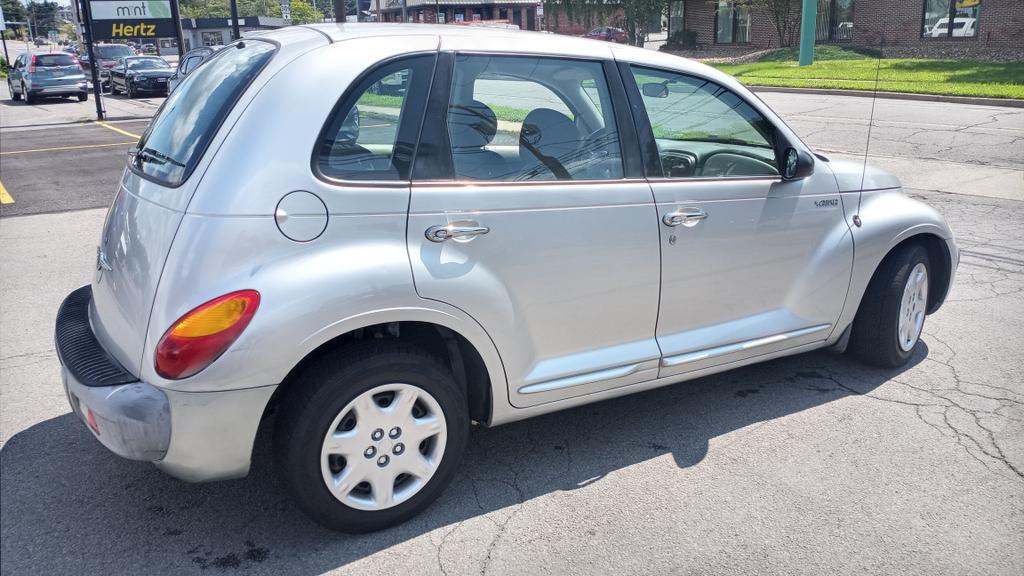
372 436
891 317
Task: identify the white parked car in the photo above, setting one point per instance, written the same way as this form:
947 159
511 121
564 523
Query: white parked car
463 224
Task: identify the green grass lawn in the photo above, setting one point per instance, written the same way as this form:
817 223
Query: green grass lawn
847 69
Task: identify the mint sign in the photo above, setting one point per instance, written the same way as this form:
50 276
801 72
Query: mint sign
124 19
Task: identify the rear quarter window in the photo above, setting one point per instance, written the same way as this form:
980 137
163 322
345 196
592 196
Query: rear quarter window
179 135
56 60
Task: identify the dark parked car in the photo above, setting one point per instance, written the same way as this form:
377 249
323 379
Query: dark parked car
608 34
188 63
107 56
52 74
137 74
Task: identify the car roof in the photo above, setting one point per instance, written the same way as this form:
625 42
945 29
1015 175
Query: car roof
498 40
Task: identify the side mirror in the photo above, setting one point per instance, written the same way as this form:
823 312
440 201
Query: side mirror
655 90
796 164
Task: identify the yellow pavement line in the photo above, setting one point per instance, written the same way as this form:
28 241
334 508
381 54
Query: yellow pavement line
118 130
59 148
5 196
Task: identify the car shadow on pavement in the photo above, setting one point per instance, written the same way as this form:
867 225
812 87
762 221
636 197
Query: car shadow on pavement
69 505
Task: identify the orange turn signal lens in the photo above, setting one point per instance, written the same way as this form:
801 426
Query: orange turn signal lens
202 335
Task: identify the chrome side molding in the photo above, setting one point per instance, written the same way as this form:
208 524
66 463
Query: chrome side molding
678 359
581 379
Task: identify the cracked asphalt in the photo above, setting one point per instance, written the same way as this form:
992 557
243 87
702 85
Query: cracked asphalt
805 465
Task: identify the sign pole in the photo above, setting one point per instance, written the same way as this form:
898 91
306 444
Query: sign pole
235 34
177 29
93 65
808 29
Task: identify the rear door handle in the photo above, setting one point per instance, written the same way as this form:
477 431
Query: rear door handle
689 216
454 231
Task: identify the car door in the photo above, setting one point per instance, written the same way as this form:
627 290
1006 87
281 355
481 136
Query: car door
16 72
751 264
527 214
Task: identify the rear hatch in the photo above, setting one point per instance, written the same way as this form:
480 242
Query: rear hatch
54 66
153 194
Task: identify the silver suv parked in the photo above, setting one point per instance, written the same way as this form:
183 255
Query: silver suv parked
455 226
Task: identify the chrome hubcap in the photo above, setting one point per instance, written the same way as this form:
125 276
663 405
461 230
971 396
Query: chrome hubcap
383 447
912 308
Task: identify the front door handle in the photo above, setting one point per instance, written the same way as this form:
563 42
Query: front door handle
454 232
689 216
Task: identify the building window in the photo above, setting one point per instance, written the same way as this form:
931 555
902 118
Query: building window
732 23
963 14
213 38
676 23
835 20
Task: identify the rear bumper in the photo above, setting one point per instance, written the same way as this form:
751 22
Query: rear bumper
39 89
194 436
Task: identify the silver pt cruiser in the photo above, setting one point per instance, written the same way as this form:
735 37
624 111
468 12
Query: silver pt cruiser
379 234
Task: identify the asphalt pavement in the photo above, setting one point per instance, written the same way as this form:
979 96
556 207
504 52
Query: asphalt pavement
805 465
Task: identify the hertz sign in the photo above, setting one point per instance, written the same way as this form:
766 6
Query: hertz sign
124 19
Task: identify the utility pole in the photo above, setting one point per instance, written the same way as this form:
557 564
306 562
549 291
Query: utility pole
93 65
808 28
339 10
176 16
235 34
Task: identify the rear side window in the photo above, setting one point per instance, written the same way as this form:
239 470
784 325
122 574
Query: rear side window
517 118
56 60
176 139
371 134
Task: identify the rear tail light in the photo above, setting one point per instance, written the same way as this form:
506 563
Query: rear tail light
202 335
32 65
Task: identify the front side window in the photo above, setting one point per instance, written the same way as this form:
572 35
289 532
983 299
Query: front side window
951 18
176 139
366 138
704 130
518 118
732 23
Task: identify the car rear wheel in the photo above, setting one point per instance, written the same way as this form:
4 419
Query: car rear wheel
29 97
83 96
16 96
891 318
371 437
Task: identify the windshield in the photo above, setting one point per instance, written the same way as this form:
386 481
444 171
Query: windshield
176 139
147 64
112 51
55 60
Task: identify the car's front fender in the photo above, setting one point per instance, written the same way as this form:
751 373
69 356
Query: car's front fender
887 219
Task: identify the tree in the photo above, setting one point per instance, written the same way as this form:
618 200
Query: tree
639 17
42 15
304 13
221 8
14 11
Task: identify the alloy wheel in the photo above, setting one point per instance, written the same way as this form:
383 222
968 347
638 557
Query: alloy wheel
383 447
913 307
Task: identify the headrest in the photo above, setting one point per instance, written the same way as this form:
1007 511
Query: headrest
550 132
471 125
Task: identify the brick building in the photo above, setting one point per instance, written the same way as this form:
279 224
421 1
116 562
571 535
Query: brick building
525 14
981 28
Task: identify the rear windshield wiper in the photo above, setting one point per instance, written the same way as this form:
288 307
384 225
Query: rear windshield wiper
157 157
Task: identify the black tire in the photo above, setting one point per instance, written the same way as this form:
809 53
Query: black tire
874 338
16 96
128 90
83 96
29 97
324 389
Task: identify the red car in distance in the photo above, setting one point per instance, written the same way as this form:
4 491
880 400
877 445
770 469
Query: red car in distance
608 34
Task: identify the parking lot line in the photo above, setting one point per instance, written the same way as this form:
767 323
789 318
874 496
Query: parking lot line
5 196
59 148
118 130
